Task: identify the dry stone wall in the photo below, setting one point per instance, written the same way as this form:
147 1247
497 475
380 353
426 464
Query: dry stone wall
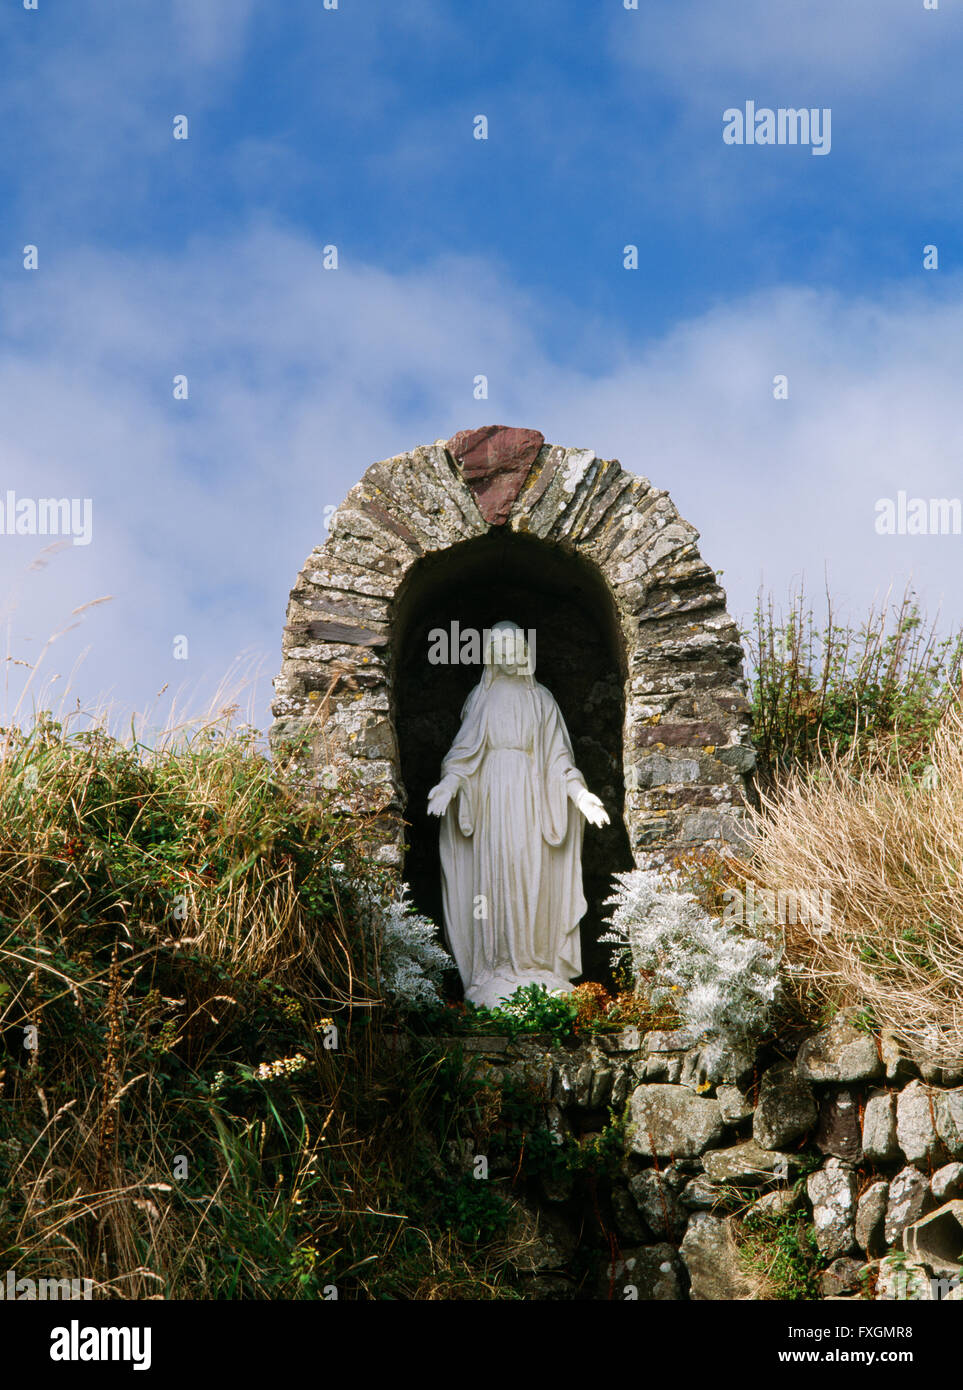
850 1138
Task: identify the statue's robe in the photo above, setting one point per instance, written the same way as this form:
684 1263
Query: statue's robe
511 843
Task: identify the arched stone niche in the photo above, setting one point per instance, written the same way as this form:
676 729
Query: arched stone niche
632 638
565 606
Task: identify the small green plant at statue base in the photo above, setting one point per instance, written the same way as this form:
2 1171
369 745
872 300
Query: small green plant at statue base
531 1009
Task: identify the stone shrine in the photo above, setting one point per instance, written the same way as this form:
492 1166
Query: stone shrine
634 642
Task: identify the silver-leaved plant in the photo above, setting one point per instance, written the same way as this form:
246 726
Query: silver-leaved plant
719 980
412 960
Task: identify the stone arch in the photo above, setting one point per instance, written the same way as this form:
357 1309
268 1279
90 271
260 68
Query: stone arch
686 755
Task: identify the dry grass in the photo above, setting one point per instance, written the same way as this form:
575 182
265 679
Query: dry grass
887 843
172 918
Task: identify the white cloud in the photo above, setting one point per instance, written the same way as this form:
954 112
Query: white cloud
863 43
212 34
299 378
887 69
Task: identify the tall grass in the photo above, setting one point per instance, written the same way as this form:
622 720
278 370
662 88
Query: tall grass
878 689
200 1096
887 845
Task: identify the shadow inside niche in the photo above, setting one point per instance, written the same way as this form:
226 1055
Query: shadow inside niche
579 658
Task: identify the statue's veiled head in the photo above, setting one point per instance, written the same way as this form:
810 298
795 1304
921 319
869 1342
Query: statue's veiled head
508 652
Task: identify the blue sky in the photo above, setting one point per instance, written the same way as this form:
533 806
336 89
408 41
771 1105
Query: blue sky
459 257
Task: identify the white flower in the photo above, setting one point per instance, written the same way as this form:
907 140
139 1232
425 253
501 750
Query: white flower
284 1066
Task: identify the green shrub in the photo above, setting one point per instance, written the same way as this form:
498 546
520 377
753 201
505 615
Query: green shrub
781 1252
879 689
531 1009
213 1108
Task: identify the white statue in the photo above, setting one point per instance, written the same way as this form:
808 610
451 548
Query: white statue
512 804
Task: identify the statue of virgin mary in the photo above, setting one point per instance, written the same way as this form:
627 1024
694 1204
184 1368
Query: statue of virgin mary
512 804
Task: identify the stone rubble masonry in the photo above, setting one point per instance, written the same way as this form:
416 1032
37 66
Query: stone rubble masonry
838 1132
711 1253
786 1108
916 1131
843 1277
947 1182
842 1052
929 1124
832 1191
747 1164
671 1121
495 463
870 1216
879 1127
909 1198
689 1149
687 752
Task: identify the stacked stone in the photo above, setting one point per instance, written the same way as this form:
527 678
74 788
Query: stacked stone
334 685
889 1155
686 741
888 1142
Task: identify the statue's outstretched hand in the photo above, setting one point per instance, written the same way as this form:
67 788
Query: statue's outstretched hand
439 797
591 807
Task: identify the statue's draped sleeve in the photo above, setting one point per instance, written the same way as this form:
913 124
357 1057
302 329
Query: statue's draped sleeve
562 829
470 940
558 775
464 759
